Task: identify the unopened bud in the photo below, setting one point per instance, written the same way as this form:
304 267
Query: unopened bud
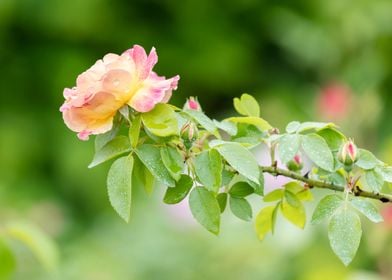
192 104
189 132
348 153
295 164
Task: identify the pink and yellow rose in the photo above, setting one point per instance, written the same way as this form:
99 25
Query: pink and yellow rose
111 83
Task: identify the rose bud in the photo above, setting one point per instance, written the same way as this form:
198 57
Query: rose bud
295 164
348 153
189 132
192 104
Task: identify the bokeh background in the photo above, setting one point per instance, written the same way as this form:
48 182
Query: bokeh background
303 60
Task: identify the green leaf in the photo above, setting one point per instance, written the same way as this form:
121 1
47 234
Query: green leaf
305 195
142 177
247 105
275 216
292 199
257 122
333 137
205 209
208 168
386 172
203 120
102 139
241 208
274 195
226 126
263 223
222 201
161 121
318 151
241 160
173 161
366 160
40 244
367 208
227 176
326 208
292 127
7 261
293 210
134 131
374 180
119 184
248 135
314 126
151 158
288 147
241 189
297 189
180 191
258 187
112 149
293 187
344 232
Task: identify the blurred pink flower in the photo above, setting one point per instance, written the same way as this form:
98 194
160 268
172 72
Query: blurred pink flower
111 83
334 100
386 213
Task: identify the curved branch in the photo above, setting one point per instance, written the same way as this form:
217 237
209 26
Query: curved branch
385 198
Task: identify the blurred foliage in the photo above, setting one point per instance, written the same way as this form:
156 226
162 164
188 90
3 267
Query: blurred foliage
284 52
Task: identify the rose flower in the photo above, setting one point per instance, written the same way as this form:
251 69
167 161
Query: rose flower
111 83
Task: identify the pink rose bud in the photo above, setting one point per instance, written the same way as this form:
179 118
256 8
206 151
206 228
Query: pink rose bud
192 104
295 164
111 83
348 153
189 132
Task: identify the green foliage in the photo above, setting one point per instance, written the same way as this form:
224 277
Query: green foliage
367 208
161 121
241 189
264 221
374 180
247 105
216 172
333 137
116 147
240 159
119 183
203 120
366 160
150 155
102 139
326 208
142 177
173 161
208 169
257 122
134 131
344 232
222 201
288 147
205 208
241 208
318 151
293 209
274 195
180 191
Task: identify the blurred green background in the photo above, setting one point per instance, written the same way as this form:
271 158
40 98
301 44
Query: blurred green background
303 59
